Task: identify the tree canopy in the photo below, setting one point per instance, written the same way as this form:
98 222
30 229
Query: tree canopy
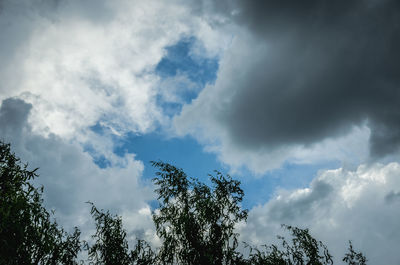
27 232
195 223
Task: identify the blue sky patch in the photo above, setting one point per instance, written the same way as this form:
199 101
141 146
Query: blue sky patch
183 74
179 59
188 154
185 153
99 159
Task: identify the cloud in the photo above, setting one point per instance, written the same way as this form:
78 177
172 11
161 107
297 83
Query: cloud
71 178
339 205
79 63
69 66
298 74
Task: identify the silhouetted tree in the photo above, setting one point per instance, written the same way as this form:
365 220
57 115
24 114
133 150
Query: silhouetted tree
303 249
143 254
28 235
196 222
353 257
111 246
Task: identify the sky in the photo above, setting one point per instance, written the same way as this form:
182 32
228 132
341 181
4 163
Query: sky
299 100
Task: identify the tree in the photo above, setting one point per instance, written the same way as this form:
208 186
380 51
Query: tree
110 244
143 254
196 222
353 257
303 249
27 232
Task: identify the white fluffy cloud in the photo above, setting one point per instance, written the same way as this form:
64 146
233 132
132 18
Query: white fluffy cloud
79 63
340 205
71 178
79 69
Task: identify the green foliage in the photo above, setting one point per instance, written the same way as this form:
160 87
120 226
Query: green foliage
196 222
353 257
27 233
143 254
111 246
303 249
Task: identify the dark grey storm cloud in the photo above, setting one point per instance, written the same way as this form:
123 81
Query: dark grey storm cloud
392 197
328 65
13 115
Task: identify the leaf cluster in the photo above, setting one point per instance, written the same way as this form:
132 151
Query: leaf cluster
28 235
353 257
303 249
110 243
197 222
